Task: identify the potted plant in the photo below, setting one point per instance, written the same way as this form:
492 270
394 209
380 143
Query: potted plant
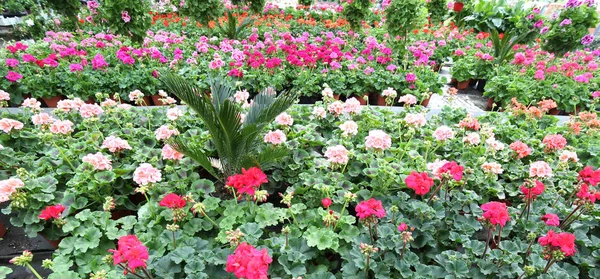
463 71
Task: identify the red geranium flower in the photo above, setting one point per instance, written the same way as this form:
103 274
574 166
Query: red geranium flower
537 190
419 182
588 175
52 212
326 202
496 213
249 263
551 219
369 208
248 181
453 169
131 251
564 242
172 201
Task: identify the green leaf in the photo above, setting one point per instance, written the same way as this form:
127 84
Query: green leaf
322 238
105 177
252 231
4 271
181 253
90 240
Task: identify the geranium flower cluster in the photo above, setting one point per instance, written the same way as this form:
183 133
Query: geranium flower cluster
131 254
563 242
248 262
248 181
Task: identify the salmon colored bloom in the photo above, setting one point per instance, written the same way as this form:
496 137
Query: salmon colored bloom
64 127
115 144
554 142
520 148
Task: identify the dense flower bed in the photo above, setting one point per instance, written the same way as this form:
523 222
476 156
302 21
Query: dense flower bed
348 63
362 190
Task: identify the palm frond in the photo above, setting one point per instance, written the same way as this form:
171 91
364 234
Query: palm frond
266 158
266 107
194 153
220 91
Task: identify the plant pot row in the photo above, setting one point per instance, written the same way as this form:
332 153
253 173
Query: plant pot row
378 99
478 84
52 102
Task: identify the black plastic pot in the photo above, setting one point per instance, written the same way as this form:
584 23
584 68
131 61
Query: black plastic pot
481 85
17 14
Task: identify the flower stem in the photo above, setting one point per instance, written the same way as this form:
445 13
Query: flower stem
147 273
293 216
33 271
211 220
403 249
499 235
367 266
435 191
174 241
341 214
63 155
548 265
487 243
371 233
566 221
130 271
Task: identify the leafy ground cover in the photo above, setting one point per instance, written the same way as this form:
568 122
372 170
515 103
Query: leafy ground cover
362 191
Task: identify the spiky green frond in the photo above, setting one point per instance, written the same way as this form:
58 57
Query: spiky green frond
238 145
195 153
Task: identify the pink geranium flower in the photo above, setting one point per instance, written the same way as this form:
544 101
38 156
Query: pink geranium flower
146 174
98 161
275 137
337 154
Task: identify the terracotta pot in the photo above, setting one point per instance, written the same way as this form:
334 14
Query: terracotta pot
425 102
458 6
381 100
436 67
577 110
147 102
462 85
361 99
336 96
52 102
53 243
156 100
490 103
90 100
554 111
2 229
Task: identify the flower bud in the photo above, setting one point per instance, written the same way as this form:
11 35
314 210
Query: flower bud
47 264
22 260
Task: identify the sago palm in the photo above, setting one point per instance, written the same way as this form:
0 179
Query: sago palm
238 145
